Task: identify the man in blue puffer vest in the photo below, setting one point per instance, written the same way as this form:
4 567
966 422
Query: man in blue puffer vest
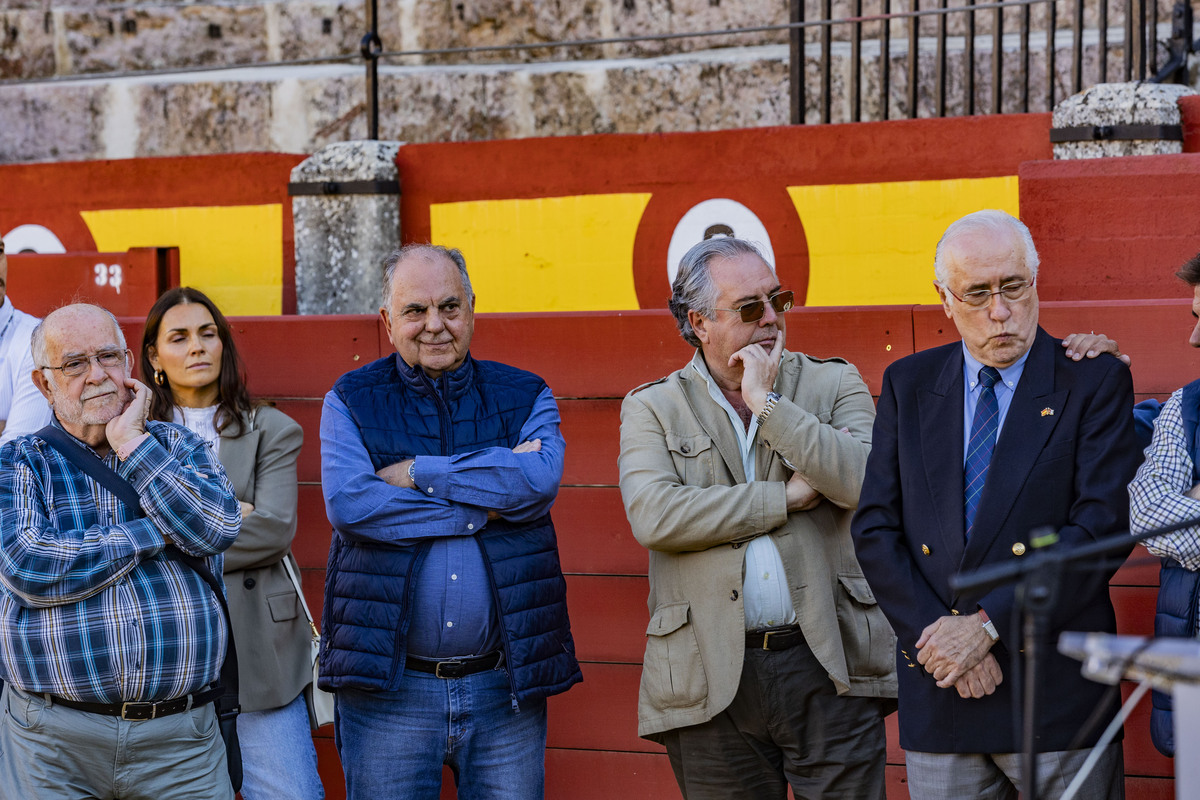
445 625
1165 491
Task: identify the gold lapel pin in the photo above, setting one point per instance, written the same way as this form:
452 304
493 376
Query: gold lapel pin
1047 412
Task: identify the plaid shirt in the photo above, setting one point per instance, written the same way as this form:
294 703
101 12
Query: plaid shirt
1158 493
89 608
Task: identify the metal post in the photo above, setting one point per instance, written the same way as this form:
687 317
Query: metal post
371 47
796 63
856 63
1077 41
969 58
885 60
1051 25
913 74
826 61
997 60
1102 21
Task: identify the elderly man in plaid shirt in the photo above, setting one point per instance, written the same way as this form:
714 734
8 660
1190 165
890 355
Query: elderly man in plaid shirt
108 649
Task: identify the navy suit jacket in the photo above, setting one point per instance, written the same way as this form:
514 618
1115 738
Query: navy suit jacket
1063 459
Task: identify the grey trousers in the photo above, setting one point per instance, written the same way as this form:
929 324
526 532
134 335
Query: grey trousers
786 726
50 751
997 776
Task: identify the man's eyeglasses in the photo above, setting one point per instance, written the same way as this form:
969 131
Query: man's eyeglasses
754 310
76 366
979 298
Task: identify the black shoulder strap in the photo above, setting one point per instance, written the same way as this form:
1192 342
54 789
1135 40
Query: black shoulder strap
89 463
227 704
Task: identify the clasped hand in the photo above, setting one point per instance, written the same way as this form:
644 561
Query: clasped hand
955 650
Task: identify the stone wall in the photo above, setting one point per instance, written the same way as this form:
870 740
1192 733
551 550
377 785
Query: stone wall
59 99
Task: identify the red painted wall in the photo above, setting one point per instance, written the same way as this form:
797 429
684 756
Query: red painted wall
753 167
591 361
53 195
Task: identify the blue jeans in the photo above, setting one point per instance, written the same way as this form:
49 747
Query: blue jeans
393 744
279 761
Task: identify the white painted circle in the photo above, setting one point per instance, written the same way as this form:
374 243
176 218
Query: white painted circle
32 239
718 216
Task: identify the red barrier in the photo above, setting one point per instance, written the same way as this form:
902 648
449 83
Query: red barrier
127 284
591 361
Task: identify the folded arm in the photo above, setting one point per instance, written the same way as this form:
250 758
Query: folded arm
831 457
1163 493
268 529
665 514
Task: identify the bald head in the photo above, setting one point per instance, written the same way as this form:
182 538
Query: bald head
69 316
81 366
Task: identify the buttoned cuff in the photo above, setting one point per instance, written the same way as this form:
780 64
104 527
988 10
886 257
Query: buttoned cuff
431 474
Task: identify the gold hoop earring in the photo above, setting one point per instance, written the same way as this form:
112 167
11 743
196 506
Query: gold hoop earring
158 377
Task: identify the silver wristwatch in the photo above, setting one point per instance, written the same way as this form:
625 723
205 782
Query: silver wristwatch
412 471
768 407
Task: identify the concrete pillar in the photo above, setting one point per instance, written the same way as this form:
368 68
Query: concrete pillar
1119 119
346 211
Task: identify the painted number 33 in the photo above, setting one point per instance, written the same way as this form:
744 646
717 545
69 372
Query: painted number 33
109 275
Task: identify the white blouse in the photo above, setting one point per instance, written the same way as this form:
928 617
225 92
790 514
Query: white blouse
200 422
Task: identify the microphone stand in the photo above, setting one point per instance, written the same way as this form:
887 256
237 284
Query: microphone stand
1038 579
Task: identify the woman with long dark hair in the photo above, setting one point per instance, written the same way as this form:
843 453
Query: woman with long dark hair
197 380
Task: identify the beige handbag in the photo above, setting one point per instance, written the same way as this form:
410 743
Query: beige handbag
320 702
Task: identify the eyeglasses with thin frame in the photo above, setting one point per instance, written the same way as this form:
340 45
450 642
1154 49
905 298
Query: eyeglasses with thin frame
1012 291
754 310
78 365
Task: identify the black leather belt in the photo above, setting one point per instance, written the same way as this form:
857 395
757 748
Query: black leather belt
455 667
782 638
142 711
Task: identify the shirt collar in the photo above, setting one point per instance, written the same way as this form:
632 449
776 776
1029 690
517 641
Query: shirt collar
6 311
1010 376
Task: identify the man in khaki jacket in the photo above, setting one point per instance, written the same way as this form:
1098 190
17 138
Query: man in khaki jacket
767 660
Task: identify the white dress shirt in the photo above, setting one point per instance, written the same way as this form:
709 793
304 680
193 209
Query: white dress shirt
21 404
765 597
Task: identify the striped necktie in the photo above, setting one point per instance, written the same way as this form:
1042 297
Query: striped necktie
983 441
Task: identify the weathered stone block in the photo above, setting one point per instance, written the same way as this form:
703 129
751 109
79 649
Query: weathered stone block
196 118
26 44
1120 104
341 240
57 125
319 29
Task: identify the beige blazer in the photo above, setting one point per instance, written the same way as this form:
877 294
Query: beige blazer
269 627
688 503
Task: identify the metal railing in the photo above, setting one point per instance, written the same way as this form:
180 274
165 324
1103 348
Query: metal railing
881 59
1011 39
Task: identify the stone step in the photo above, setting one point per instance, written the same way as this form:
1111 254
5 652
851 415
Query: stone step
302 108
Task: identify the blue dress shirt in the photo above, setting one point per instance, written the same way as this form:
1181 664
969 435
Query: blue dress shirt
1010 376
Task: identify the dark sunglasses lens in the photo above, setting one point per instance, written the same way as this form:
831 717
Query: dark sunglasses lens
752 311
782 302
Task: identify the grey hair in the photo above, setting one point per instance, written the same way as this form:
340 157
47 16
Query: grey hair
37 342
988 220
396 256
693 288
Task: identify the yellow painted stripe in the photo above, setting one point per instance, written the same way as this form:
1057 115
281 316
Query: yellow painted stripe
873 243
234 254
546 254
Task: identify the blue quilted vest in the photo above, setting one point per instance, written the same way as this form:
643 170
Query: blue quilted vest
368 586
1175 615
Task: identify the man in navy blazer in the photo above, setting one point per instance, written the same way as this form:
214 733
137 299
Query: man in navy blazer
947 492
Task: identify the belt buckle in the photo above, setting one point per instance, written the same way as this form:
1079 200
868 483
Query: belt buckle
126 709
451 666
767 638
